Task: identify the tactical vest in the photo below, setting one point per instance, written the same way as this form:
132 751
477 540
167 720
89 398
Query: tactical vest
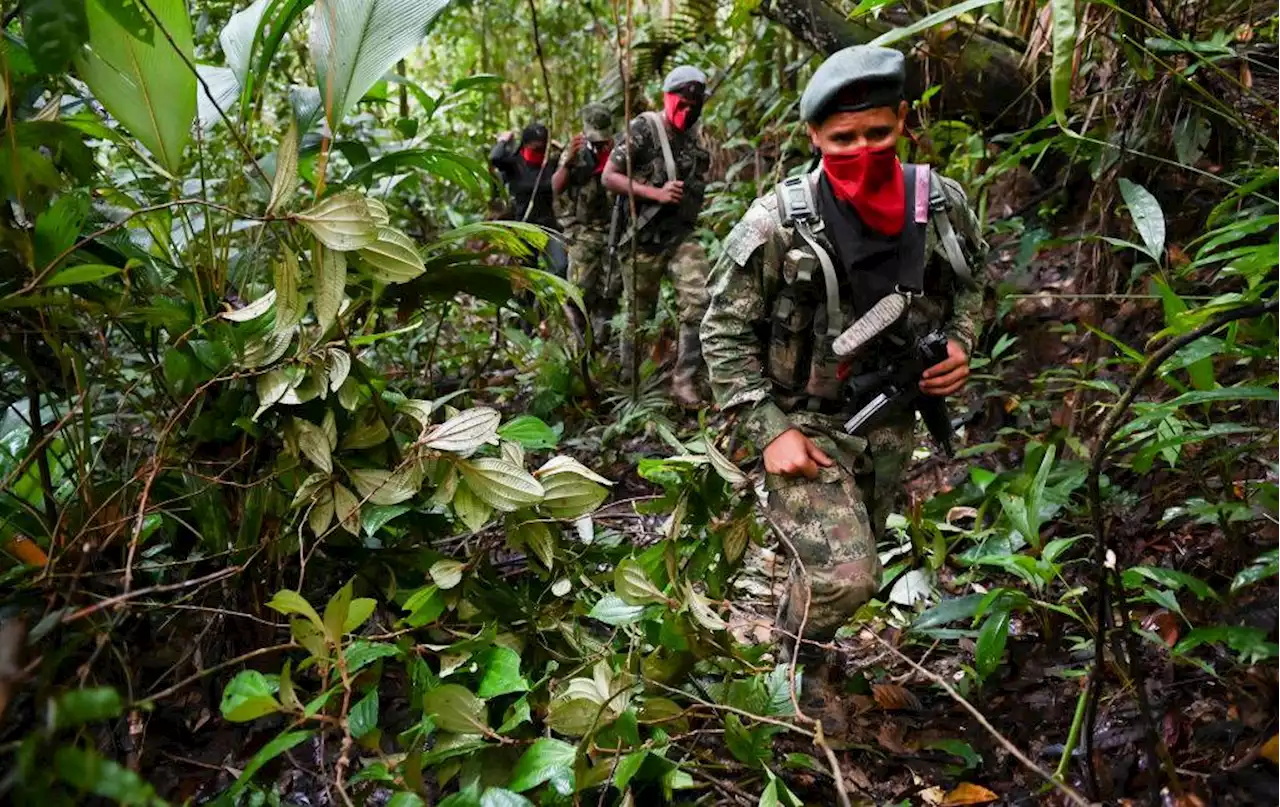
812 331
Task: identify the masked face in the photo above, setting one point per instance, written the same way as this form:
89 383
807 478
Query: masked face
684 106
860 160
534 153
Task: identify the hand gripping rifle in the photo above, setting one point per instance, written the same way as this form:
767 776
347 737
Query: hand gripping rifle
897 382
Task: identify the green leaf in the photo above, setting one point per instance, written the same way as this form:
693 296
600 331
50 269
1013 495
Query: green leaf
291 602
503 486
455 709
285 181
341 222
249 695
517 713
253 310
573 717
355 42
536 537
391 258
1247 642
286 277
378 516
1266 566
1064 49
329 283
384 487
314 444
701 610
147 87
53 30
347 508
369 432
335 613
724 467
948 611
1147 217
265 754
364 715
569 496
470 509
80 706
769 797
465 432
86 770
1169 577
361 654
530 432
501 797
405 799
547 760
447 573
84 273
991 641
612 610
895 35
501 673
627 768
633 585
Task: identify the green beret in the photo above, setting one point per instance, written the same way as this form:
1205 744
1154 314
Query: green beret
597 123
858 77
682 75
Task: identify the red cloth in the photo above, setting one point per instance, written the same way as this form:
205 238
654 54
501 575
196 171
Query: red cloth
602 157
871 180
534 156
680 110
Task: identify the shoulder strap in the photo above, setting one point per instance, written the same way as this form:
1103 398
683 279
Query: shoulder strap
655 120
797 209
946 233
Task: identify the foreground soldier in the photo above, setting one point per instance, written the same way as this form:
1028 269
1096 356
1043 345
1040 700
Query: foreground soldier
805 263
587 221
669 178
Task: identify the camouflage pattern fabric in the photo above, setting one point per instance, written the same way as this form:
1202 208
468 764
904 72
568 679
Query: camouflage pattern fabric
693 162
588 253
586 202
833 523
687 264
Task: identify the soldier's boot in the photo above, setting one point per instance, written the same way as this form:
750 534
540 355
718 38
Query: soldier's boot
819 694
684 388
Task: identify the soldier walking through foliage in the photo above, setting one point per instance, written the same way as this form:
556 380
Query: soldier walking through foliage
587 221
668 178
528 181
846 290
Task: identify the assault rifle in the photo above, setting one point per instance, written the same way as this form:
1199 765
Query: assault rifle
898 384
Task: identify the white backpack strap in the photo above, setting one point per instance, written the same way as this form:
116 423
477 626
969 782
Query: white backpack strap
946 233
660 128
798 210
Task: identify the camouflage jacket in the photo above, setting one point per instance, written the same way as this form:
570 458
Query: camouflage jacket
758 263
587 203
693 164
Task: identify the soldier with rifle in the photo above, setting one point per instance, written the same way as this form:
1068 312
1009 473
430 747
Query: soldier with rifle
668 177
844 302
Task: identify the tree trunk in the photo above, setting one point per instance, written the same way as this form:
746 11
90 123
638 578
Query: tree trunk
979 76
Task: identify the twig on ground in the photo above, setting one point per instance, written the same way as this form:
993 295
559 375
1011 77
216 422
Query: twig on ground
129 595
191 679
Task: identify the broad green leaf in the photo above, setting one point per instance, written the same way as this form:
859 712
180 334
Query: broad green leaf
470 508
701 610
455 709
569 496
347 508
466 432
53 31
895 35
633 585
727 470
361 654
314 444
329 282
516 715
335 613
381 216
89 705
309 636
265 754
1148 218
322 510
612 610
338 365
417 409
391 258
991 641
253 310
88 771
147 87
285 181
291 602
538 538
447 573
562 464
248 696
501 673
573 717
368 432
501 797
503 486
364 715
406 799
627 768
360 610
1190 137
341 222
512 452
84 273
1265 567
1064 49
355 42
385 487
1249 643
288 695
530 432
547 760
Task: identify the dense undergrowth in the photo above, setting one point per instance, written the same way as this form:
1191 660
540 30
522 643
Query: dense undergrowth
308 497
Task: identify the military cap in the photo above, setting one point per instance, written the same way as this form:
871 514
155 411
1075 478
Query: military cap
597 122
856 78
682 75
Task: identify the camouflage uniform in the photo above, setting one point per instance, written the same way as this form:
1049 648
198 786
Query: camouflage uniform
586 220
666 244
832 522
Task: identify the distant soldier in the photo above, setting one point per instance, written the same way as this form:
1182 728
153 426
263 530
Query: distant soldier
528 181
669 170
848 291
587 221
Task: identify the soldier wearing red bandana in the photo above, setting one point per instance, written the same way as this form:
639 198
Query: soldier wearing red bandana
522 164
668 203
829 280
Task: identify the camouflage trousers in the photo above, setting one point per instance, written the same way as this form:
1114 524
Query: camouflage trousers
687 264
832 522
588 270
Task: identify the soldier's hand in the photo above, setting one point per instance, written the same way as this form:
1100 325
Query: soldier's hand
506 137
948 376
671 193
576 144
793 454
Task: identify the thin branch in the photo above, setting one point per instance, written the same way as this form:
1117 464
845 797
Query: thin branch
261 651
129 595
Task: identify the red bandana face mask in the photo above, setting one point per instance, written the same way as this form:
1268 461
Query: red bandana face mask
602 156
682 112
533 156
871 180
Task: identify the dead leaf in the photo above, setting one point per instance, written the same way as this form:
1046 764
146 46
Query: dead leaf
1164 624
1270 749
861 704
932 796
966 793
1177 257
890 737
27 551
892 697
957 513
